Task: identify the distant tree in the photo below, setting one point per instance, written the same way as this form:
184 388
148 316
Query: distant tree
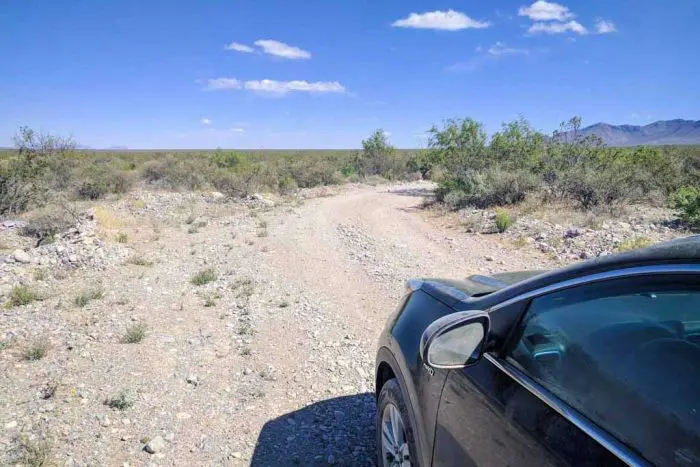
459 145
377 155
518 145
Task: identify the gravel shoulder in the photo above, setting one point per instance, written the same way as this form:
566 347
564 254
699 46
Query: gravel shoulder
270 363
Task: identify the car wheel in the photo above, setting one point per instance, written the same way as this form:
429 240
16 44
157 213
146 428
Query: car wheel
396 446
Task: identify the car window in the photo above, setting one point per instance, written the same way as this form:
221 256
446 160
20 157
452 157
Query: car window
625 354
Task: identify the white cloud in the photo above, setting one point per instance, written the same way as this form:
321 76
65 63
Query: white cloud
205 121
235 46
237 130
603 26
280 49
558 28
545 11
283 87
491 55
500 49
223 83
276 87
443 20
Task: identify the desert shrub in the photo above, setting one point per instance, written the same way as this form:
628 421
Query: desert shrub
686 201
204 276
22 174
422 162
91 190
183 171
379 157
236 185
503 220
101 177
634 243
86 296
35 351
311 171
44 224
459 146
517 146
31 452
120 401
140 261
21 295
134 334
492 187
286 184
228 160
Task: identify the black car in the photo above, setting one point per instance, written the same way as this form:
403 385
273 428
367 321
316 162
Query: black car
596 364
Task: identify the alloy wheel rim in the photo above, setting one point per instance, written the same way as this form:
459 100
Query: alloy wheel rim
395 451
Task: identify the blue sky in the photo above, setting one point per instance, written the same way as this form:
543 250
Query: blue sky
325 73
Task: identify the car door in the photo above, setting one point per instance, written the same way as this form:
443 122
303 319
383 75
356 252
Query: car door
601 373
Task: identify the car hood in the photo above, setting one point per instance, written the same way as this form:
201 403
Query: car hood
450 291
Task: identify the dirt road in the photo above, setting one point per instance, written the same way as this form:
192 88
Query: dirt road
270 364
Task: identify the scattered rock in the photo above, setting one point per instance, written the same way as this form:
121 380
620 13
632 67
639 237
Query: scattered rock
21 256
155 445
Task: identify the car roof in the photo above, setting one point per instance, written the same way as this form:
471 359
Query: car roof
680 251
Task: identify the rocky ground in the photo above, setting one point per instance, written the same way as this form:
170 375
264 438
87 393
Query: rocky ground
182 329
565 235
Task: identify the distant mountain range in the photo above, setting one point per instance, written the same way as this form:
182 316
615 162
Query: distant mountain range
658 133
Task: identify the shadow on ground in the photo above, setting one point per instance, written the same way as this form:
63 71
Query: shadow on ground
338 431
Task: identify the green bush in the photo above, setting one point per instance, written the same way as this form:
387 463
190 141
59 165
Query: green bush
21 295
92 190
379 157
120 401
184 171
87 296
23 172
204 276
228 160
492 187
687 203
503 220
134 334
36 351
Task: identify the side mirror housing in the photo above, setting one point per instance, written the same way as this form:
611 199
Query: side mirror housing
456 340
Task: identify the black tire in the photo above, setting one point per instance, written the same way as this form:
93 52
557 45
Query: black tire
391 394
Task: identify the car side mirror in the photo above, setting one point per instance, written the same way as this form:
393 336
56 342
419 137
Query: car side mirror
456 340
